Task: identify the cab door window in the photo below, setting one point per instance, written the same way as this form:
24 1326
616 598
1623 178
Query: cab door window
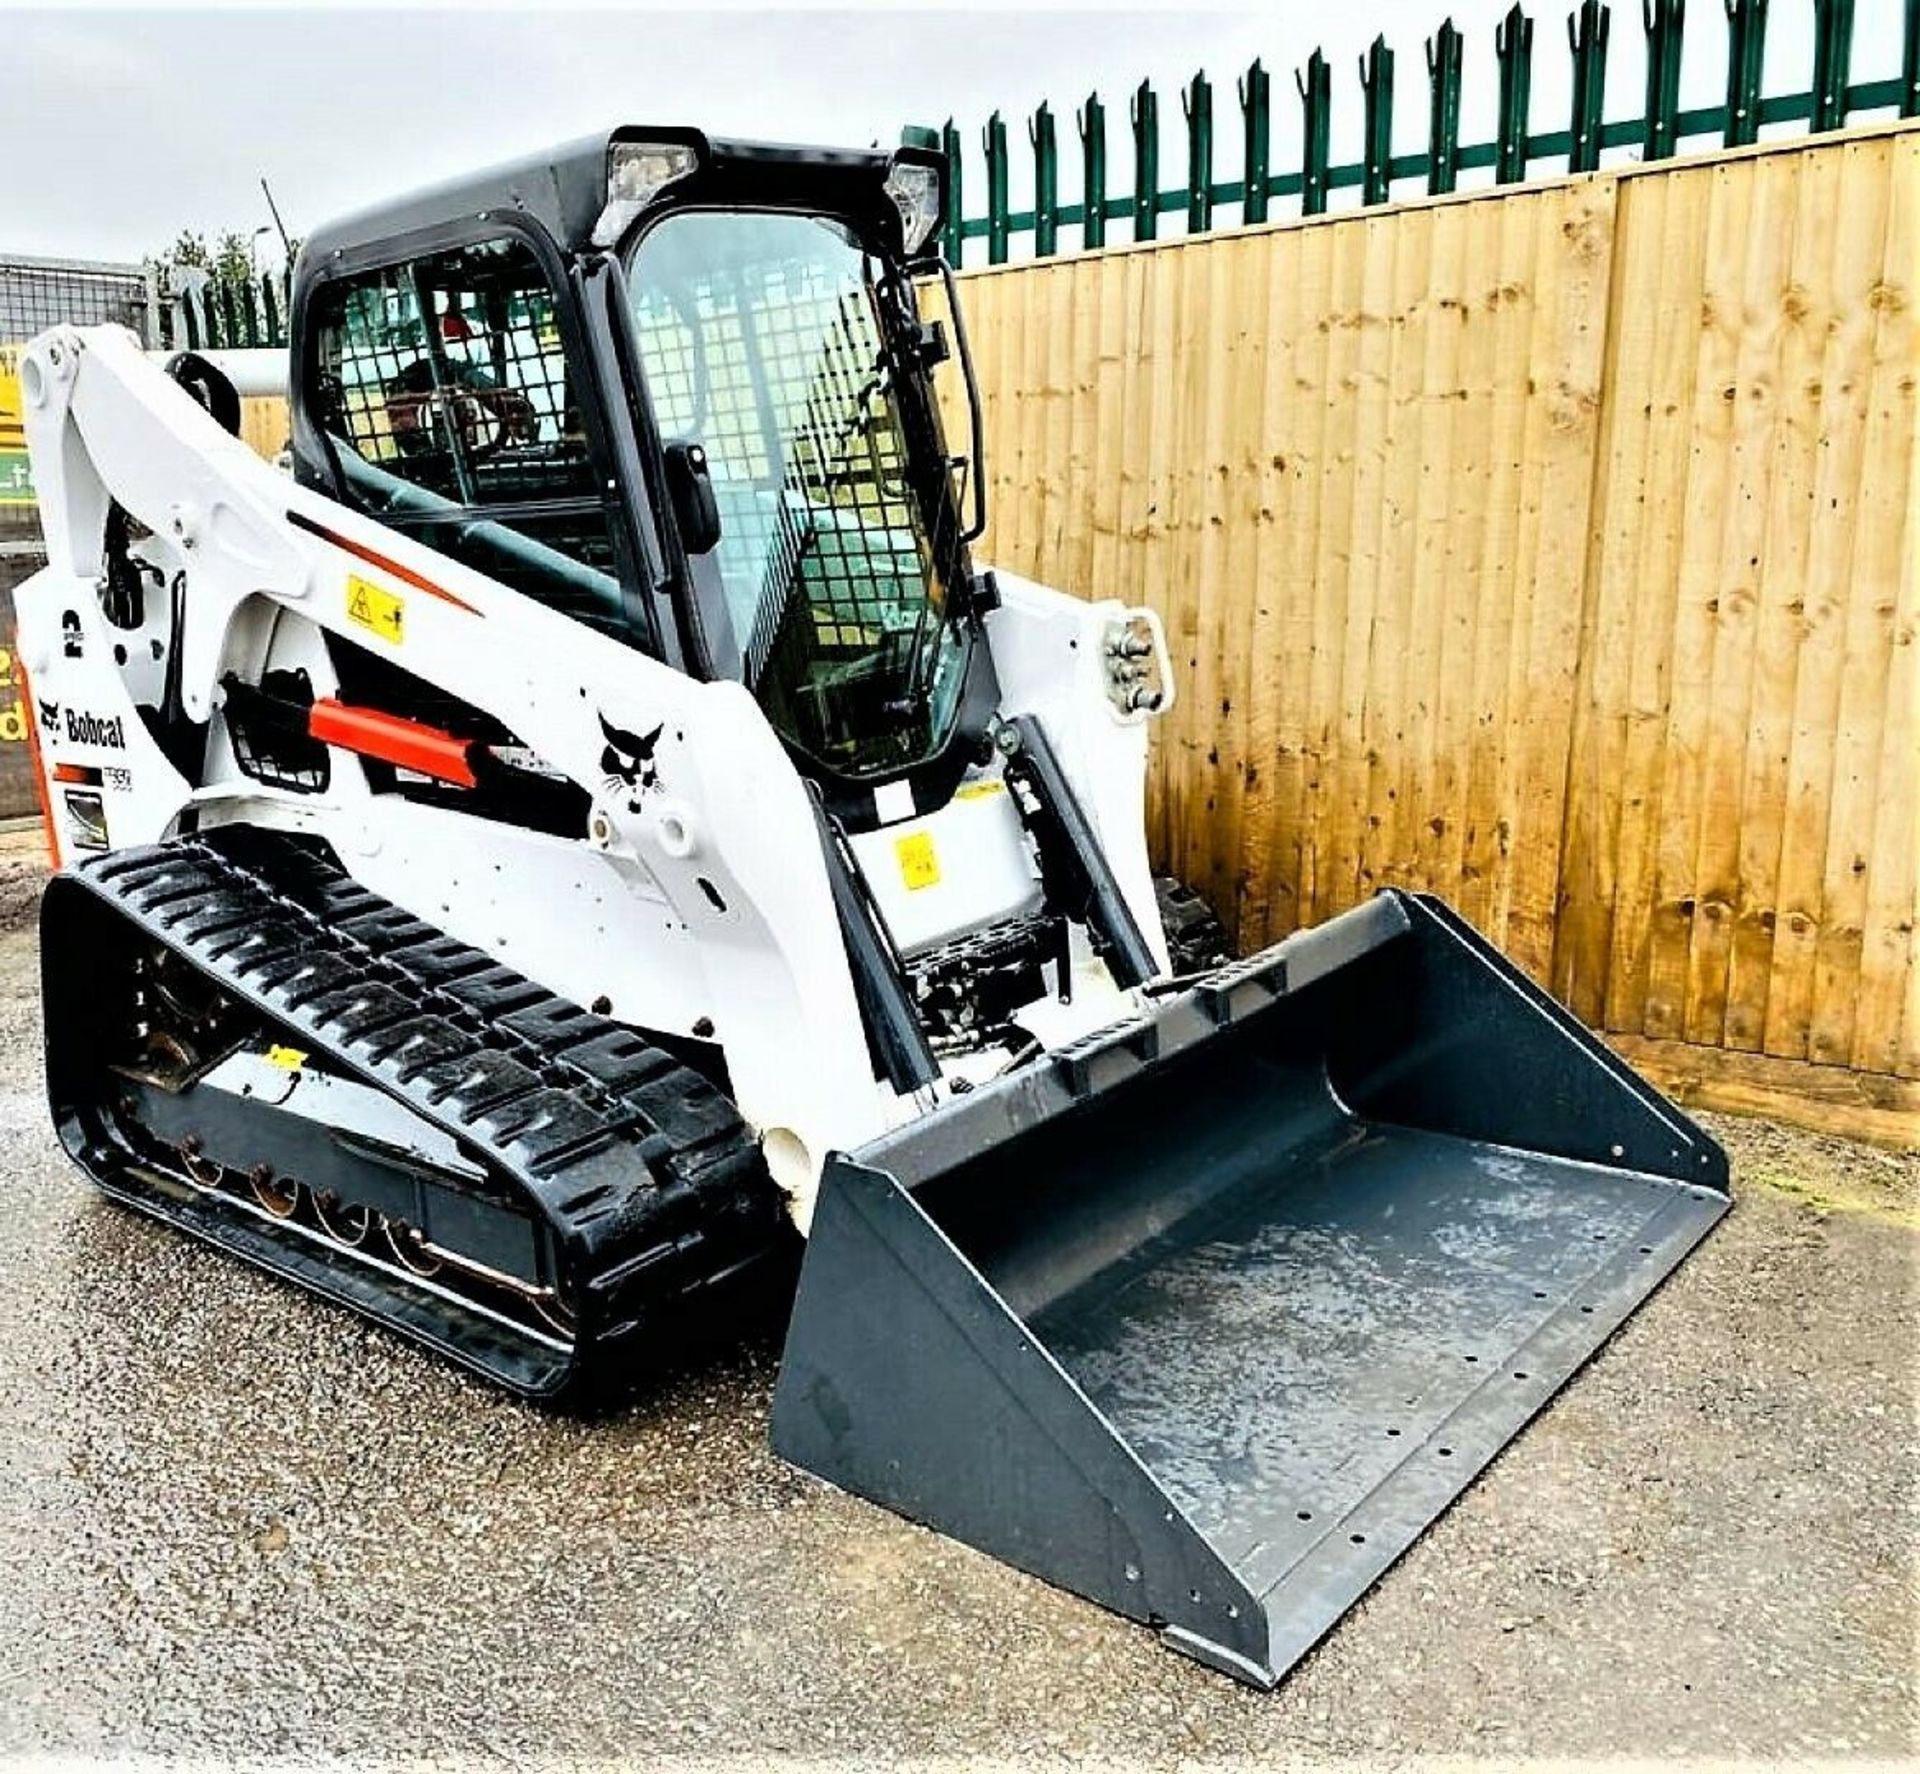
454 414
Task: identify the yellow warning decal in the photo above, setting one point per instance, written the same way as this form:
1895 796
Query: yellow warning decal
980 791
376 609
919 865
289 1059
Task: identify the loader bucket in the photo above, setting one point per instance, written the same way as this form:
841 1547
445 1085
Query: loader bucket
1208 1316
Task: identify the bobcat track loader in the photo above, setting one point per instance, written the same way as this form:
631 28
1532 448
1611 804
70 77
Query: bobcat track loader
596 818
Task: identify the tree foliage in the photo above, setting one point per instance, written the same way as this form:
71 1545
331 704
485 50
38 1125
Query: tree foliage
229 259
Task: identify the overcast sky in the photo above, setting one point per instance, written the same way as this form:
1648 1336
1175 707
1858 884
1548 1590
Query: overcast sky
118 129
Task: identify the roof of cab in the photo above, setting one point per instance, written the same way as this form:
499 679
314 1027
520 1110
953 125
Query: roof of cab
563 189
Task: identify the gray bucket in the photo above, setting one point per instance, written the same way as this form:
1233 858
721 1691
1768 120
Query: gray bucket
1207 1317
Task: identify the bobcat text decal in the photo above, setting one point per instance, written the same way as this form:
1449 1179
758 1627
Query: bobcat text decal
83 728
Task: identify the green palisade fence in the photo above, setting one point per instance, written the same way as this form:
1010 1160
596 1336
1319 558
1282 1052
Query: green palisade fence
1830 99
225 315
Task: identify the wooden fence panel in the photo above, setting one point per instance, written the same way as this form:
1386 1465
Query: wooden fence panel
1548 549
1375 599
1740 861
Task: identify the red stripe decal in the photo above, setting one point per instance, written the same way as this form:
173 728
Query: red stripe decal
374 558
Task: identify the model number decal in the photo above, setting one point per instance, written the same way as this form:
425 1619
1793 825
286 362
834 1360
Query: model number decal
376 609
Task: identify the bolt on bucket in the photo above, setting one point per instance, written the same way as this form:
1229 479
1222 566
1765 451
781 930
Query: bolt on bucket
1208 1316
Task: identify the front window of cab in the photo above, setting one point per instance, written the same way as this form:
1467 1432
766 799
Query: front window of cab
761 338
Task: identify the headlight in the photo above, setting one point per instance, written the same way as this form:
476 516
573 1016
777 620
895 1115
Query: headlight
915 190
637 172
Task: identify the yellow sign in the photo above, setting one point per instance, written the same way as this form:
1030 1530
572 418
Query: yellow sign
980 791
919 866
289 1059
16 473
377 610
13 435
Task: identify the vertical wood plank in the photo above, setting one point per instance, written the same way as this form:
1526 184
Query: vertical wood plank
1836 389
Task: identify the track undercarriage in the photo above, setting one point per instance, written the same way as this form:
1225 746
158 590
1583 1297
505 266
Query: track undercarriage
273 1058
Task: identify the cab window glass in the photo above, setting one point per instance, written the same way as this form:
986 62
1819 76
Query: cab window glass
453 412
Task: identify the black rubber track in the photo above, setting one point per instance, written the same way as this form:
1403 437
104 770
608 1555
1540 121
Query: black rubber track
650 1181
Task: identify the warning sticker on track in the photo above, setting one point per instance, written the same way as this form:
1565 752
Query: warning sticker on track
376 609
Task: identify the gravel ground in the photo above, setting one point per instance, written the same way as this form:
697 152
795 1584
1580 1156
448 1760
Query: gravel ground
236 1523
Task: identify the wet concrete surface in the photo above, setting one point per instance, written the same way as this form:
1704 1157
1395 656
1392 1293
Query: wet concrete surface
234 1522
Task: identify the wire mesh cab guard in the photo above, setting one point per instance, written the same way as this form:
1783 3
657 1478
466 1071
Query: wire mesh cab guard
1210 1315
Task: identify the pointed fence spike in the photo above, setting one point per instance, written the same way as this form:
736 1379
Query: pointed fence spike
1092 121
1443 118
994 138
1316 99
1145 113
1665 21
1197 104
1376 86
1046 182
1587 33
1513 45
1256 115
956 225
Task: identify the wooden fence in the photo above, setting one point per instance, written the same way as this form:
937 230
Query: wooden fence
1546 548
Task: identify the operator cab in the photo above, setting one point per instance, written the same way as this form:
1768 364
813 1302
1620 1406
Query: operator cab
680 390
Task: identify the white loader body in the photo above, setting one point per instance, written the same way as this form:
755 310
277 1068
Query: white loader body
700 902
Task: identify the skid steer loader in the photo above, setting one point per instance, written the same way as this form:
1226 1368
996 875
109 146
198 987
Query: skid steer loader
596 818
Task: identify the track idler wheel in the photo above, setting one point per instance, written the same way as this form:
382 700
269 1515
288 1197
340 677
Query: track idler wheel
343 1222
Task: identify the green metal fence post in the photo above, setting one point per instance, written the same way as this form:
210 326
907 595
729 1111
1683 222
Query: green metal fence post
229 321
1046 182
1145 114
1513 44
1316 99
1443 124
956 227
1746 54
1197 103
1664 20
1376 88
1256 114
1092 122
1910 64
1832 58
272 307
1587 33
995 139
190 316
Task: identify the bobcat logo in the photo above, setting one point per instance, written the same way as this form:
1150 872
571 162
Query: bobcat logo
628 761
49 714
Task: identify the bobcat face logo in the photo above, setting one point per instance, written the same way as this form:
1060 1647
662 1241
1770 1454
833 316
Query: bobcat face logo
49 714
628 761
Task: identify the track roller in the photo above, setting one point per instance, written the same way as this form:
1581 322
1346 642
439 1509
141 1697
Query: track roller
280 1196
343 1222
